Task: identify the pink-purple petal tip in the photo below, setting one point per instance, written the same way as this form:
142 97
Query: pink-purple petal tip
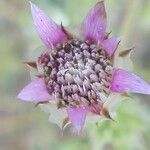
110 45
124 81
94 25
35 91
77 117
50 33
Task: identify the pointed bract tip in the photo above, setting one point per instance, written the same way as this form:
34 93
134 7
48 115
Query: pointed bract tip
32 64
126 52
104 112
65 122
126 95
37 104
68 34
107 34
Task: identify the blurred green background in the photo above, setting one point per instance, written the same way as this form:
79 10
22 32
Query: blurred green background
23 127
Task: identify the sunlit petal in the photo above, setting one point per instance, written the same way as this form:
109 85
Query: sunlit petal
35 91
50 33
77 117
94 25
124 81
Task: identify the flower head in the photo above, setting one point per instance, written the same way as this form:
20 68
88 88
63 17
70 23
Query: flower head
77 75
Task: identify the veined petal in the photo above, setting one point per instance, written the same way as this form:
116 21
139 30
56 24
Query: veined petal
94 25
77 117
35 91
124 81
49 32
110 45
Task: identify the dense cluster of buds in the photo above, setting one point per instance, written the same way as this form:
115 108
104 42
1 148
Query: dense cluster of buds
77 72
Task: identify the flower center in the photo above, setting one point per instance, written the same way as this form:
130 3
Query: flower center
77 72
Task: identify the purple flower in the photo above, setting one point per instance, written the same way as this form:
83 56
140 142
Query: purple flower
79 77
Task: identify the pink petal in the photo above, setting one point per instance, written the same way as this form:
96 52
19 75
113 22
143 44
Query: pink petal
49 32
124 81
110 45
35 91
77 117
94 25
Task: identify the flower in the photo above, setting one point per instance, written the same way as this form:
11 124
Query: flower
79 78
